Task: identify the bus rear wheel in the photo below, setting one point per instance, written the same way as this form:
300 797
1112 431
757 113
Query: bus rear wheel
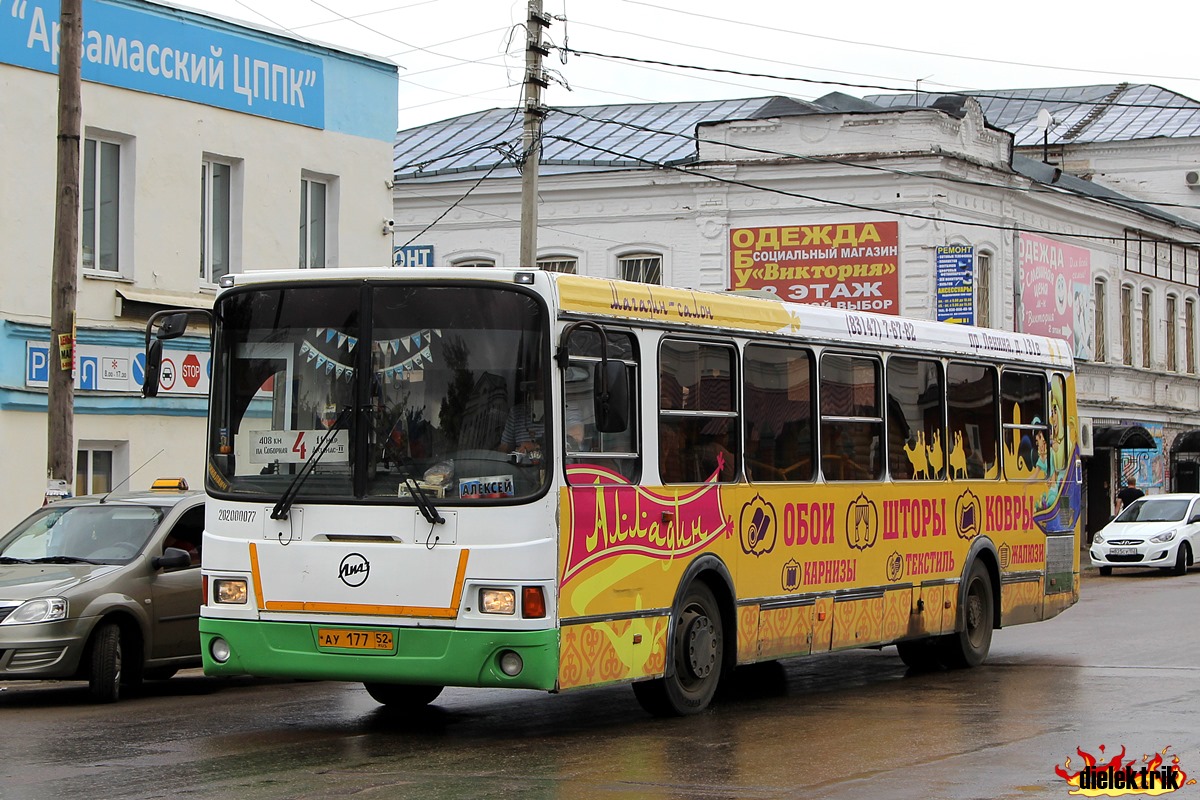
969 647
402 696
698 639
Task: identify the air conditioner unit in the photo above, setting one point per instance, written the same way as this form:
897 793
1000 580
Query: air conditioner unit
1192 179
1086 447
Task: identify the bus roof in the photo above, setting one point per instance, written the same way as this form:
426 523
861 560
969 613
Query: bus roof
664 306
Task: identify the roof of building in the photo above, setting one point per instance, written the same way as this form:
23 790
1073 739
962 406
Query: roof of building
1110 112
650 135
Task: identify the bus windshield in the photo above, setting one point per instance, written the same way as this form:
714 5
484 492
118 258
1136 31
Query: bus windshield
389 385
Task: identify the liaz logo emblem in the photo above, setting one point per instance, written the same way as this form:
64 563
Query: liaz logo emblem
757 524
354 570
862 523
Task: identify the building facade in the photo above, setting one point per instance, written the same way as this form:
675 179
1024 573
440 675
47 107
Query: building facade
208 147
920 211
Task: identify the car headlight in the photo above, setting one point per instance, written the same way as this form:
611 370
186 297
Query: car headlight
1098 539
1163 537
45 609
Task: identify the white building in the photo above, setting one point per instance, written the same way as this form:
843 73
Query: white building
843 201
208 148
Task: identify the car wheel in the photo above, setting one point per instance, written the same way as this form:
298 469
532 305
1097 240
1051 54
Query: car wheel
699 653
402 696
1181 559
1106 570
969 647
104 678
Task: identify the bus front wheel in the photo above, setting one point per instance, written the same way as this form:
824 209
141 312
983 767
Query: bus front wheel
969 646
402 696
698 647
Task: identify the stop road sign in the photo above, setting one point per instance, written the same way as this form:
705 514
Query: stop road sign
191 370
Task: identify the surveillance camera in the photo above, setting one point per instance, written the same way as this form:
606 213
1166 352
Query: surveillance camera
389 225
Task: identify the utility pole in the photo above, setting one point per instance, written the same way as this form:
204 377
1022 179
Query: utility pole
531 139
60 402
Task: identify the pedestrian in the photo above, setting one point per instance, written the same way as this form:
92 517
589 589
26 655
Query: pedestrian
1128 494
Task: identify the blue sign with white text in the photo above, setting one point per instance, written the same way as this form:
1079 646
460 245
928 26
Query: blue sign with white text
171 56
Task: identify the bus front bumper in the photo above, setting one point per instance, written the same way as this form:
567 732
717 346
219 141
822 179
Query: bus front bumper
438 656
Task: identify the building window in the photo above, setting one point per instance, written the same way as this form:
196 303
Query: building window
1147 329
474 262
1127 325
559 264
101 205
314 209
1101 297
93 471
215 196
1189 331
1172 338
983 290
640 268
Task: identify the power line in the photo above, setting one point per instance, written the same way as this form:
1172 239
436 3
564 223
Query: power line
721 70
935 53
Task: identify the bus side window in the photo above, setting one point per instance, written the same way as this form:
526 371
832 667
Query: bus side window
778 413
972 400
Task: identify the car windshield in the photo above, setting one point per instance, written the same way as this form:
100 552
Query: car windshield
448 382
113 533
1155 510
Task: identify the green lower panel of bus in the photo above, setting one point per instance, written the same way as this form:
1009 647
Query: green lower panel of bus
398 655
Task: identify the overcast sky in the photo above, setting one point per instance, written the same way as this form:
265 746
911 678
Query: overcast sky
461 56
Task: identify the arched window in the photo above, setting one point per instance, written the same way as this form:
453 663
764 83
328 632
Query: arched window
474 262
567 264
983 289
640 268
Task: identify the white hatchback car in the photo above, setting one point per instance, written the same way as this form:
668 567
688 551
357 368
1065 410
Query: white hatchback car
1160 530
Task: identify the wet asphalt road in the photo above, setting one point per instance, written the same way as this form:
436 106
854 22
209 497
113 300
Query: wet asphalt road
1119 669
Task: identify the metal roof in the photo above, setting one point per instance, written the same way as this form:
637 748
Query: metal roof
1110 112
609 136
642 136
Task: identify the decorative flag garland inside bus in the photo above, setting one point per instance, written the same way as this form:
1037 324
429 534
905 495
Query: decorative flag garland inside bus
396 372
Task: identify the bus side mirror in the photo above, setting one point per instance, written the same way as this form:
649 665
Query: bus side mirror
172 326
611 396
154 352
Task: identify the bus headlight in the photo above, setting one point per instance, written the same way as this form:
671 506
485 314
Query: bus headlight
497 601
219 650
230 590
511 663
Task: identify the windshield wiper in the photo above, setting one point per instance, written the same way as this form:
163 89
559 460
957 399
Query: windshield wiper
424 502
289 494
63 560
11 560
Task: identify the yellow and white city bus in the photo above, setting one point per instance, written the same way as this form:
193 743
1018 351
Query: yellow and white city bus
490 478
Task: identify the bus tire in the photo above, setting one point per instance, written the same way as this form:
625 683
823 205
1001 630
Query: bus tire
698 636
969 647
104 674
402 695
920 655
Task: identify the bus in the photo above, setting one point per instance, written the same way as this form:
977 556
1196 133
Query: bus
518 478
